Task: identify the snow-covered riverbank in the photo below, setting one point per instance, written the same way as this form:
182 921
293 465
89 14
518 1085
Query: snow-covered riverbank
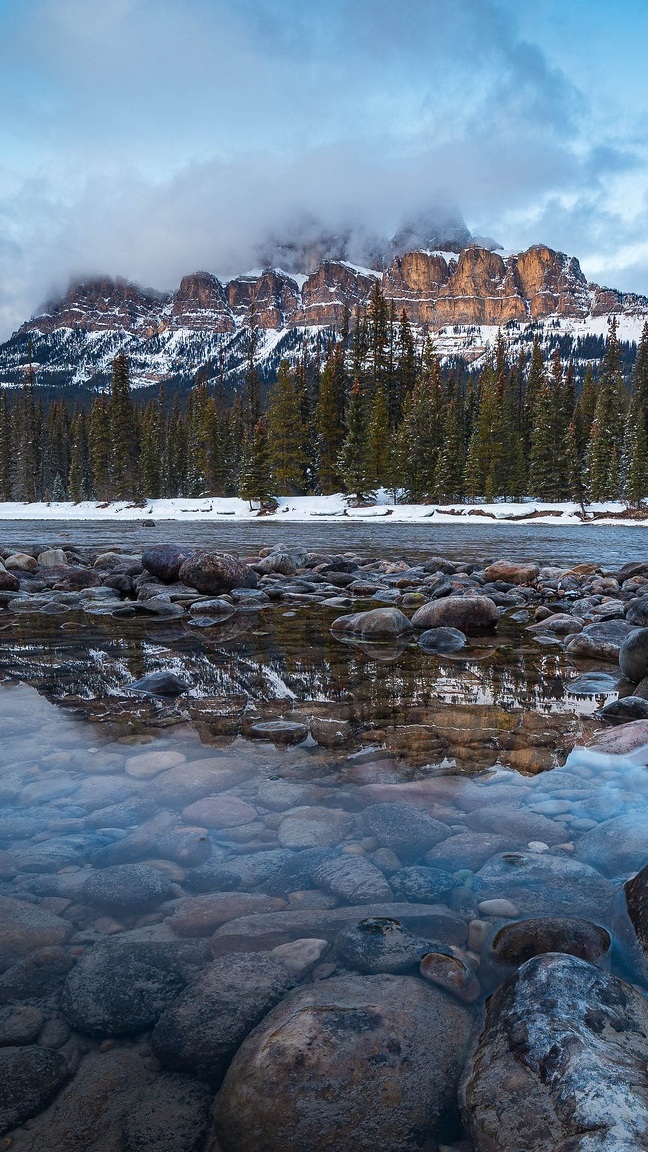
307 509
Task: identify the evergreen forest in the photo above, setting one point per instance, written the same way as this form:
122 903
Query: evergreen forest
380 411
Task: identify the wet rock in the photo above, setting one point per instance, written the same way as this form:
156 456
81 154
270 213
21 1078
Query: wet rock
466 850
380 944
202 915
636 900
542 884
202 1030
422 885
633 655
570 1044
211 571
517 943
127 888
452 973
220 812
165 561
599 641
282 794
188 782
637 613
19 1024
121 989
625 740
352 1063
353 878
593 684
29 1078
40 974
300 955
89 1114
465 613
511 573
152 763
279 731
377 624
442 640
280 562
8 582
330 733
409 832
521 827
558 624
160 684
313 827
172 1115
625 710
616 847
25 928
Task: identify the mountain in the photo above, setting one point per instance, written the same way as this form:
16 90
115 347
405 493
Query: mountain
461 296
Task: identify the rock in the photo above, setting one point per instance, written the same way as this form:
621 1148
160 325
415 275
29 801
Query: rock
160 684
637 613
219 812
442 640
453 974
409 832
29 1078
517 943
633 655
376 624
330 733
202 915
280 562
504 909
599 641
127 888
40 974
300 955
279 731
558 624
541 884
152 763
593 684
624 710
422 885
20 562
165 561
19 1024
351 1063
519 826
121 989
282 794
352 878
312 827
627 740
52 558
636 900
465 613
381 944
202 1030
89 1114
616 847
466 850
570 1044
189 847
211 571
8 582
510 572
188 782
172 1115
25 928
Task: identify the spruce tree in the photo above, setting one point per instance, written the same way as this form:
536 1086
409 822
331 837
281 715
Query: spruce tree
6 441
449 476
640 378
354 464
603 453
100 449
124 433
79 480
151 456
256 481
286 433
380 441
635 456
329 421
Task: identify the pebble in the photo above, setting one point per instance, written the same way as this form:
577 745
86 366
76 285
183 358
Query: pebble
498 908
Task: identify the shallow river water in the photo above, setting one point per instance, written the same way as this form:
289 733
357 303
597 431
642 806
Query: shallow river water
322 808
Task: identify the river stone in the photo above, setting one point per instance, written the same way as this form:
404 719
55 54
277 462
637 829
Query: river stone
212 571
593 684
442 640
517 943
160 684
422 885
636 899
378 624
353 1063
40 974
52 558
466 850
542 884
558 624
29 1078
409 832
616 847
127 888
452 973
300 955
19 1024
21 562
311 827
570 1044
637 613
381 944
352 878
26 927
522 827
282 794
280 562
510 572
219 812
8 582
279 731
630 740
189 847
172 1115
202 915
633 655
165 561
466 613
152 763
624 710
202 1030
599 641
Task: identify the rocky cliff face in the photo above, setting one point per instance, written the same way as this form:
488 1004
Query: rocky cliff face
102 304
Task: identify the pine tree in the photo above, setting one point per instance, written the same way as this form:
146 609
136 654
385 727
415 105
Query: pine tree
79 480
486 451
603 463
640 378
353 464
635 456
421 431
256 476
124 433
151 456
405 371
535 381
286 433
584 413
329 421
5 448
100 449
379 456
449 477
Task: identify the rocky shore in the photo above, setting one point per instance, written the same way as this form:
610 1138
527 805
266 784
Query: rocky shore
292 934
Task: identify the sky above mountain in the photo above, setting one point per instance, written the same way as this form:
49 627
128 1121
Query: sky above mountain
149 138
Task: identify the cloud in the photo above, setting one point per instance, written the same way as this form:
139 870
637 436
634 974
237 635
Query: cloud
149 138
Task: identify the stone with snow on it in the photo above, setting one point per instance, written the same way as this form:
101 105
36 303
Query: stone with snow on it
211 571
633 655
578 1078
511 573
376 624
466 613
165 561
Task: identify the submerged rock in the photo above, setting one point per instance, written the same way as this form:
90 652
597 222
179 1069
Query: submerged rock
171 1116
442 640
561 1063
29 1078
353 1063
517 943
127 888
381 944
451 972
409 832
624 710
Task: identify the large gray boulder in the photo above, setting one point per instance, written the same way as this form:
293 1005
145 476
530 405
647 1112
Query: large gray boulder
633 655
353 1064
211 571
467 613
376 624
561 1063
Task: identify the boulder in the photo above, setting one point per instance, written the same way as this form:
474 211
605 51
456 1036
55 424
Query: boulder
25 928
637 613
633 655
616 847
353 1063
160 684
165 561
558 624
627 709
409 832
561 1063
517 943
172 1115
381 944
598 641
29 1078
211 571
510 572
442 640
376 624
312 827
127 888
354 879
542 884
636 899
422 885
202 915
466 613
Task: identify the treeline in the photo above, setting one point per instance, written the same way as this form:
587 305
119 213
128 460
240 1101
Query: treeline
381 412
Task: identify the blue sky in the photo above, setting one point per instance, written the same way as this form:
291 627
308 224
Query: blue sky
150 138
